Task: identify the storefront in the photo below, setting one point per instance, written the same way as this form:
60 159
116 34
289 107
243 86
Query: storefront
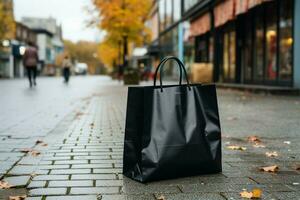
254 42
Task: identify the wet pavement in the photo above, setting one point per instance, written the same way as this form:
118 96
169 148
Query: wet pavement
83 127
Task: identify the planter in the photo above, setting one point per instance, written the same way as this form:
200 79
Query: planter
131 77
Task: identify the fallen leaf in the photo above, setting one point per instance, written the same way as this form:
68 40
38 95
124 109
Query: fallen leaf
287 142
17 197
92 124
234 147
41 142
33 175
35 153
296 183
5 185
254 139
273 168
272 154
254 194
161 197
297 167
246 194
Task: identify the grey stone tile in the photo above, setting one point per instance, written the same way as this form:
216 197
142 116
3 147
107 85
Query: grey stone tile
50 177
71 171
68 162
82 197
107 171
93 176
47 191
81 183
17 180
89 166
23 169
109 183
36 184
94 190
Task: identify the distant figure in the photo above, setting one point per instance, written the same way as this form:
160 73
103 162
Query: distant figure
30 61
66 64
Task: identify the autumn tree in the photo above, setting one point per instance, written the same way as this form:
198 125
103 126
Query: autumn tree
123 21
84 51
7 22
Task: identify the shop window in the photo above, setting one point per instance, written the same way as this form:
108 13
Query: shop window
271 41
176 10
162 14
188 4
286 40
259 46
202 54
169 13
247 51
229 56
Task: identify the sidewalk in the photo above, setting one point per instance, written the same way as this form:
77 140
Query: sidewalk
83 159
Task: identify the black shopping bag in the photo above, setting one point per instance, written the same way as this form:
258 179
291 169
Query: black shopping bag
171 131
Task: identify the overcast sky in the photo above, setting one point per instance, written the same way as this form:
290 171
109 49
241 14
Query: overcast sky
70 13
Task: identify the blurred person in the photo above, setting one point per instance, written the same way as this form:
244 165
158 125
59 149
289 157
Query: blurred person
30 61
120 72
66 64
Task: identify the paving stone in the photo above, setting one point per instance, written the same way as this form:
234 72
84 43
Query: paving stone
94 190
29 161
287 195
81 183
84 166
70 171
54 167
23 169
107 171
36 184
82 197
109 183
47 191
33 198
128 197
68 162
93 176
51 177
17 180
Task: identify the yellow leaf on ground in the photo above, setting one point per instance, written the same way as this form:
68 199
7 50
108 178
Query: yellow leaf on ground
5 185
235 147
17 197
272 154
273 168
161 197
254 139
254 194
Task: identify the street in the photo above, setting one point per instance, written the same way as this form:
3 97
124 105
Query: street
80 128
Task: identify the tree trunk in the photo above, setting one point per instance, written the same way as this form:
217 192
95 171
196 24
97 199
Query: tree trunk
125 52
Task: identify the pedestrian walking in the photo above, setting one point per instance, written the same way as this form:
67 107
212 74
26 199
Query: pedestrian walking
66 64
30 61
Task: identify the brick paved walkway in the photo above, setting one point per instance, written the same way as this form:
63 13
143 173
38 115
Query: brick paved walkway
83 160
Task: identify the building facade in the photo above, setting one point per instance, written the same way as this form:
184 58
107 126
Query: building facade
233 41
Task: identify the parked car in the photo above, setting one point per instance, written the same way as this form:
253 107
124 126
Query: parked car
81 69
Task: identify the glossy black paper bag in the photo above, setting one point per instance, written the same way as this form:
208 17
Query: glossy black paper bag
171 131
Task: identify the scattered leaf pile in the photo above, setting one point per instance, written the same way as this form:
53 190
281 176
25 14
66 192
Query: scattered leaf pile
23 197
254 194
272 154
32 152
5 185
235 147
273 168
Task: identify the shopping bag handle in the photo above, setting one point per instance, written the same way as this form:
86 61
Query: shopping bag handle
181 66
